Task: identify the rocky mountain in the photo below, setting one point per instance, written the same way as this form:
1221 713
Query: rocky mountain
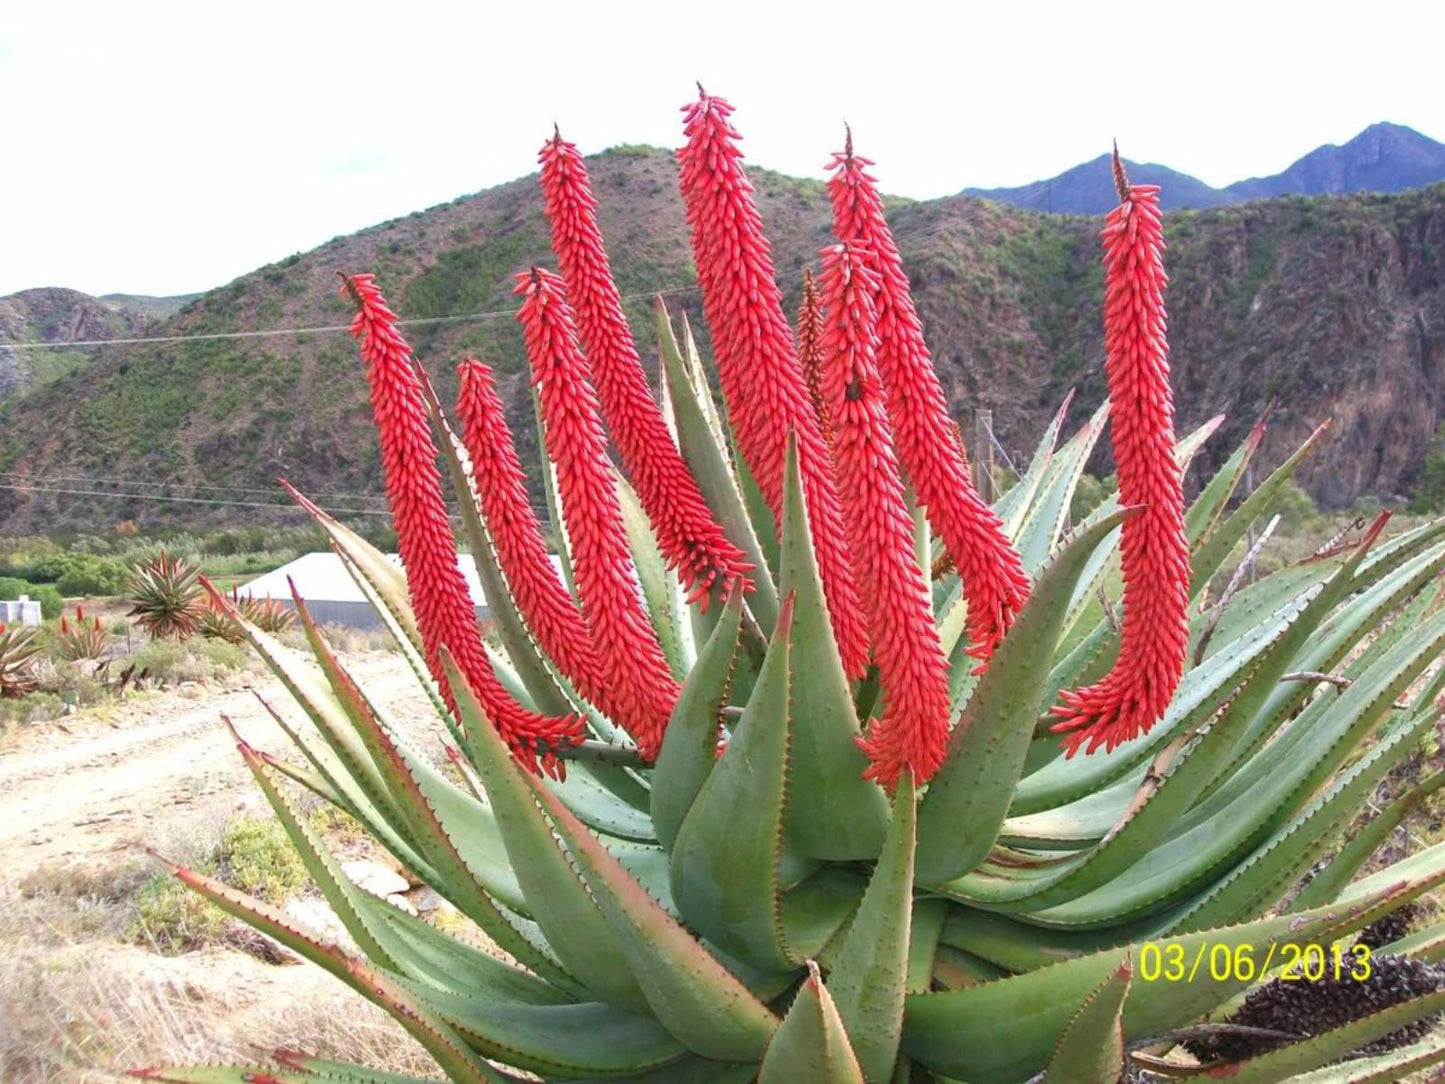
54 315
1382 158
1088 189
1329 307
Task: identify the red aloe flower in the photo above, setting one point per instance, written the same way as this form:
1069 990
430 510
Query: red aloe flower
1132 697
689 537
444 611
762 380
994 581
549 609
631 658
810 352
913 674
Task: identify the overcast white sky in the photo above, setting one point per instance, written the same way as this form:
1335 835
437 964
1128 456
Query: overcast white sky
162 149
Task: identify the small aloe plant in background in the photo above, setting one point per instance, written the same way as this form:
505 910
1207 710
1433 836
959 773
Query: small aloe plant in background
81 639
747 792
167 598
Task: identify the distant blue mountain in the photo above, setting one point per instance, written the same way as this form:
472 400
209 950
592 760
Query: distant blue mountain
1382 158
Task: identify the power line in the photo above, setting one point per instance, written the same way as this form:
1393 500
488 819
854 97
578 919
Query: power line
319 329
188 500
97 480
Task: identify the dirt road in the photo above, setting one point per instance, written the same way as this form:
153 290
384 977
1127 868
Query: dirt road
94 789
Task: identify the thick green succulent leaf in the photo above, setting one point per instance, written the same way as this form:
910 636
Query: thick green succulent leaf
869 977
1387 1068
833 812
1011 507
556 895
325 1069
525 654
1091 1049
652 574
223 1074
1211 553
811 1047
1206 509
1047 513
929 915
1389 574
690 1070
1205 845
689 745
1260 880
588 1039
313 694
1330 1046
1015 946
953 969
1005 1030
706 454
337 785
387 935
451 1053
1177 776
816 911
725 860
969 797
698 1001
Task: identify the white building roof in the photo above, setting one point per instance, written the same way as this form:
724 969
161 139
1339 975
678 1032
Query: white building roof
321 577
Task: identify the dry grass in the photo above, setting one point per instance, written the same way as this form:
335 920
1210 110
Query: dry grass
86 1013
97 976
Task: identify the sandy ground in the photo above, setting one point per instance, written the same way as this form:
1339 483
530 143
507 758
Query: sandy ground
88 789
77 1001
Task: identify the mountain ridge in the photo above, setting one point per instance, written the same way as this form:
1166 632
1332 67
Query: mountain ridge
1331 306
1385 157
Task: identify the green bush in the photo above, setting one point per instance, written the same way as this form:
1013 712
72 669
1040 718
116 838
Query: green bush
1090 493
1296 510
74 573
194 660
1430 490
253 854
51 603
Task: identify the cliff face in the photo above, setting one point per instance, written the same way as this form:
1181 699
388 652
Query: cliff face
1332 307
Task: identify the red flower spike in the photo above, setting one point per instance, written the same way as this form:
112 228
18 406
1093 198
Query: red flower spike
762 380
444 610
994 581
549 609
631 659
1132 697
810 353
690 539
912 670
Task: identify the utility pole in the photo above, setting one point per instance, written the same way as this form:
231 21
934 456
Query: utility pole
983 453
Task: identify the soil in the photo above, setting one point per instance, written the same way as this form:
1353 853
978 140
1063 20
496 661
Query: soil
93 788
83 796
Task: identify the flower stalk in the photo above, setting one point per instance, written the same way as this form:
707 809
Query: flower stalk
439 595
762 379
913 673
690 539
1132 697
631 658
929 448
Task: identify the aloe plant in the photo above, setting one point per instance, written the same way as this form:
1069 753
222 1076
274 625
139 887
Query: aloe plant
747 793
167 598
82 639
19 649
